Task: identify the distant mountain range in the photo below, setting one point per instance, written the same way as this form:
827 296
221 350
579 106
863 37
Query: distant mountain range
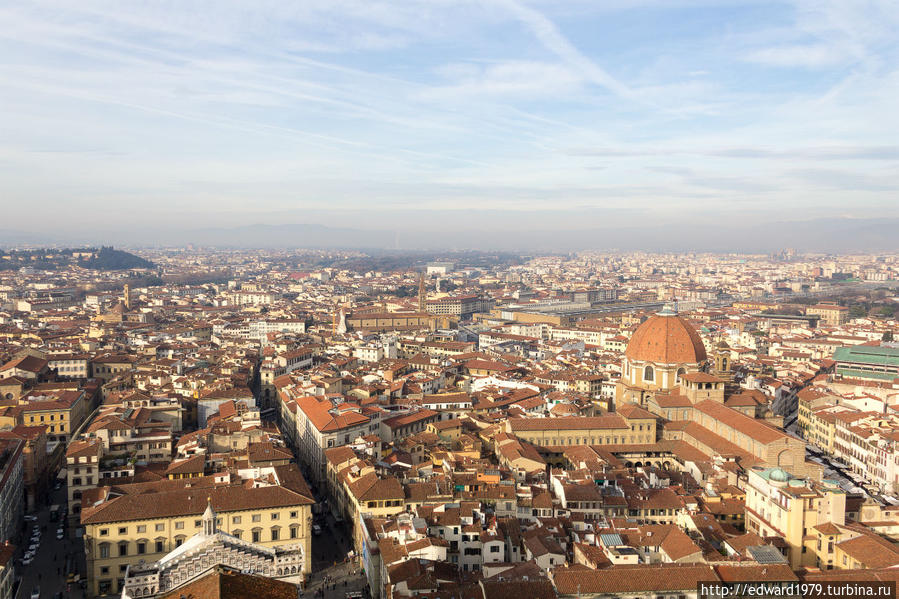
831 235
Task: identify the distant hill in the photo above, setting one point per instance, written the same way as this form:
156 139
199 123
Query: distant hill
826 235
104 258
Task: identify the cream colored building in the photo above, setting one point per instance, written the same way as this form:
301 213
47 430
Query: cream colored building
145 521
781 505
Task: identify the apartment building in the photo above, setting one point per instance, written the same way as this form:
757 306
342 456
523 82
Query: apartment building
12 488
462 306
782 505
831 314
127 524
61 411
314 425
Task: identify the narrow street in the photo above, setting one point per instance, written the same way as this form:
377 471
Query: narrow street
55 558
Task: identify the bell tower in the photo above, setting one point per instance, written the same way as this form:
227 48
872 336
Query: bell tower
422 293
722 359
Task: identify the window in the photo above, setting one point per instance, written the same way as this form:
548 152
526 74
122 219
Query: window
104 532
257 517
275 515
235 520
123 530
141 528
123 548
160 547
141 547
160 527
179 525
294 532
648 374
179 541
293 514
198 523
276 532
494 549
104 550
256 535
104 570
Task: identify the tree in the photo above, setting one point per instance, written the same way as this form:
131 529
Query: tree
887 336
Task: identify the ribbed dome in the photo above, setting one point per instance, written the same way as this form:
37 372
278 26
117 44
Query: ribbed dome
666 339
779 475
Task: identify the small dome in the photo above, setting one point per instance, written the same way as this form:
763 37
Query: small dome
666 338
779 475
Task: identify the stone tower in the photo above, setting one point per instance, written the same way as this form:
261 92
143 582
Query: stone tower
422 293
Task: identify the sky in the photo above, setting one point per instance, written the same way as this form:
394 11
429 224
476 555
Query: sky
437 113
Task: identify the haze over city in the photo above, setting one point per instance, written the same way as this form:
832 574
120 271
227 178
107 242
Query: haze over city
154 122
449 299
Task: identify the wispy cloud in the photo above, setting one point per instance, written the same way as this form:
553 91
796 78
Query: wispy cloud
549 35
434 105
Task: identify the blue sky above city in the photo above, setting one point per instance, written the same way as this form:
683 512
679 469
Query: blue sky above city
471 114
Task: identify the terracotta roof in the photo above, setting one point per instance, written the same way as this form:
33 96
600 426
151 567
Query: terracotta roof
871 551
755 429
27 363
225 584
608 421
168 499
631 579
666 340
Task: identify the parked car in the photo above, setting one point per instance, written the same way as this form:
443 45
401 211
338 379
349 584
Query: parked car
316 529
36 593
30 518
26 561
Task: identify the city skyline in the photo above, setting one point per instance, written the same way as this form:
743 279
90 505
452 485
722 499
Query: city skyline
476 115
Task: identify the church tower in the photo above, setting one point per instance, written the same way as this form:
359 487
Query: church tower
722 359
422 294
126 299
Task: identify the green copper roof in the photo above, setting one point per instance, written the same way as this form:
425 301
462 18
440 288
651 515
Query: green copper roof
877 355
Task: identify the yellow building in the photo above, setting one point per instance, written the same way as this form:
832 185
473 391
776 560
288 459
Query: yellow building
608 429
830 313
144 521
61 412
449 430
780 505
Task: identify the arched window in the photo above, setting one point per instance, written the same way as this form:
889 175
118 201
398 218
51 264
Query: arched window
649 374
680 373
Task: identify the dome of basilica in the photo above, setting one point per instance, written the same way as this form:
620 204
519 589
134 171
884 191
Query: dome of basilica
666 338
